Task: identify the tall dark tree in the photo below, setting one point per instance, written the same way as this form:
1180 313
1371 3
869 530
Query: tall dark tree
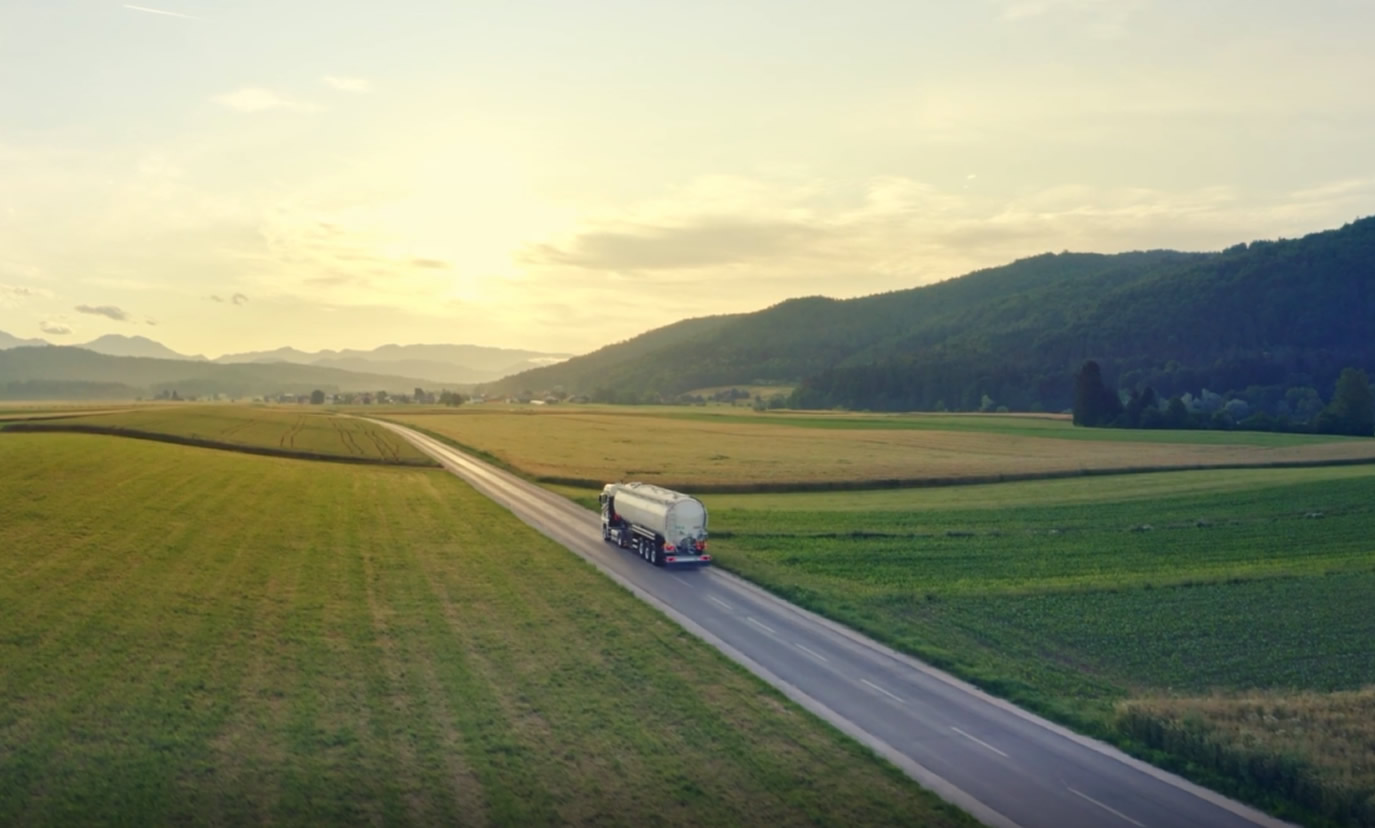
1094 404
1177 415
1352 410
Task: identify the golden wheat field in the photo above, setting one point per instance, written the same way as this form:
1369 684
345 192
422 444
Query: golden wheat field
1329 738
599 445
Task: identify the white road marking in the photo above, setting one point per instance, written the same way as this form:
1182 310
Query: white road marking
1112 811
680 579
765 627
895 698
719 601
809 651
976 740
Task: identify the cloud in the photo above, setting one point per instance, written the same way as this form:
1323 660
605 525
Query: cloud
108 311
429 264
54 328
163 12
238 299
702 243
216 298
13 295
150 321
358 85
253 99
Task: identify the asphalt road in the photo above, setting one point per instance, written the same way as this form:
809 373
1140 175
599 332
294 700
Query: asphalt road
1002 764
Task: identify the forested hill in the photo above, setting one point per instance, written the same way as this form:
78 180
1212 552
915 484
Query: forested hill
1273 314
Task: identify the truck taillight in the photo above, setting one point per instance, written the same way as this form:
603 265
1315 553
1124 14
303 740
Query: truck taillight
668 547
706 557
701 545
671 559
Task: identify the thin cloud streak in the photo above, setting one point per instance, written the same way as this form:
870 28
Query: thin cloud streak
359 85
162 12
252 99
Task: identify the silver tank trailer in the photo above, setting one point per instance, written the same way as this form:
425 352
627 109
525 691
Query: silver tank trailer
681 519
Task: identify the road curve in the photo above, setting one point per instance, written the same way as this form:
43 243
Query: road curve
1005 766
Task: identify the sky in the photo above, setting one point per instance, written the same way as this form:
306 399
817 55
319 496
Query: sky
232 175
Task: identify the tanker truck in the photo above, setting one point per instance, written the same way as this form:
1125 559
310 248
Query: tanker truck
660 525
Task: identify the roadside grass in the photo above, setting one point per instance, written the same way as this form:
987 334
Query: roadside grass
680 448
199 636
1081 604
285 430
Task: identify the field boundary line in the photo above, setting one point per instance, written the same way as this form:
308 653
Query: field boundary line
200 442
883 484
1240 809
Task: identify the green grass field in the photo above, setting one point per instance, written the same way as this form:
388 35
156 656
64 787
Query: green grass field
1089 599
284 429
197 636
1024 425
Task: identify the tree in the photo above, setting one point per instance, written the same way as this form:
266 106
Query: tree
317 397
1352 410
1094 404
1177 415
1139 403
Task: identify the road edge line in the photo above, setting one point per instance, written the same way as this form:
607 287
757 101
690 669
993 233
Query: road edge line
1240 809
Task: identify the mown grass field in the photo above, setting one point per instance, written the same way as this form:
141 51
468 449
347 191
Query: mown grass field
193 636
284 429
1153 606
24 411
689 447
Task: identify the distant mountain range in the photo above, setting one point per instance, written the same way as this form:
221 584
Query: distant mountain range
135 346
8 341
1258 318
440 363
54 372
452 364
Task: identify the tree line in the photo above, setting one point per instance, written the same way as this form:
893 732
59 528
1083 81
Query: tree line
1351 410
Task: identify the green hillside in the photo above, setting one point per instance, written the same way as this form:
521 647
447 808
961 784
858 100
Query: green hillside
74 373
585 373
1265 314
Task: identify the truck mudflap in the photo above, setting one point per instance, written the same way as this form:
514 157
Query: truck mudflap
692 559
